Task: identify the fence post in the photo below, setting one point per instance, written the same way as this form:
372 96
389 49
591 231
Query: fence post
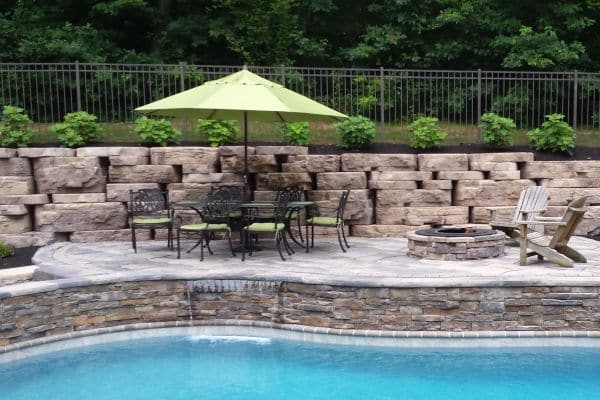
381 105
77 86
283 74
182 87
478 104
575 89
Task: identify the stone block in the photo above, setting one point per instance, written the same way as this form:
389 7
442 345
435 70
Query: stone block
265 195
490 193
143 174
79 198
13 209
414 198
38 152
80 217
497 166
443 162
398 185
217 178
341 180
561 169
460 175
120 191
562 196
128 160
199 169
505 175
113 235
571 183
256 163
312 163
437 184
281 150
379 231
28 239
112 151
274 180
16 185
480 161
235 150
15 167
379 162
188 191
69 175
25 199
15 223
397 179
7 152
482 215
183 155
422 215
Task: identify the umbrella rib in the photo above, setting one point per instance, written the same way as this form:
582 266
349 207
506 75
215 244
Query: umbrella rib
280 117
211 114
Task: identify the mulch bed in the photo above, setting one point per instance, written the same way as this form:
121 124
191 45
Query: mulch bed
21 258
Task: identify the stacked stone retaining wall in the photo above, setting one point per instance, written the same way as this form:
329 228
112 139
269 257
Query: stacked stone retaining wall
52 194
51 311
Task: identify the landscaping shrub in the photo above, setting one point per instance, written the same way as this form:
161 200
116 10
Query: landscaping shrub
356 132
219 133
78 129
554 135
5 250
425 133
296 133
496 130
156 132
13 128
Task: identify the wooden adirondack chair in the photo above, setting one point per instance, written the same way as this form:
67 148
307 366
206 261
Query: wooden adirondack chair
554 248
532 202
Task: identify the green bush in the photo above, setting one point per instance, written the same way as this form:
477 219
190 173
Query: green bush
219 133
496 130
78 129
13 128
5 250
425 133
356 132
296 133
554 135
156 132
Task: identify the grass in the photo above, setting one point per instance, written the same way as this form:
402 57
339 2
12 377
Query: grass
321 133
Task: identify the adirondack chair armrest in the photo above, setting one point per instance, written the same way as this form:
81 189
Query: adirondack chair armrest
548 218
581 209
537 222
535 210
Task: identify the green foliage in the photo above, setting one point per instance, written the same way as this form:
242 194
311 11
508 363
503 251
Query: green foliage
425 133
13 128
356 132
6 250
78 129
219 133
554 135
296 133
496 130
156 132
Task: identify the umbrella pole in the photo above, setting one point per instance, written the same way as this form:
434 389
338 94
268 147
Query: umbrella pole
247 194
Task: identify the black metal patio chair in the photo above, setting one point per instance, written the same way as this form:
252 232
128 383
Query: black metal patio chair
150 209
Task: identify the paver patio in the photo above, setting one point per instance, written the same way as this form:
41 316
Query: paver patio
369 262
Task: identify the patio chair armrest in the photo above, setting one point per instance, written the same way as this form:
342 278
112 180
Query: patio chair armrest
536 222
536 210
558 219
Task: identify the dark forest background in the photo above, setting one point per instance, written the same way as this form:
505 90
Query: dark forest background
444 34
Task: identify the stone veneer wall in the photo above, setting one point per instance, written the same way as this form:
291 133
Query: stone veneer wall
50 194
59 311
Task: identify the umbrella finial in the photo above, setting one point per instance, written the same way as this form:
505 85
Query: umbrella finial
245 67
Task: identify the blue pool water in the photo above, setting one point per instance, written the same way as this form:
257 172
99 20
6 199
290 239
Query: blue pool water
244 368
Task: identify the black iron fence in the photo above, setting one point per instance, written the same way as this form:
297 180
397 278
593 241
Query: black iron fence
391 96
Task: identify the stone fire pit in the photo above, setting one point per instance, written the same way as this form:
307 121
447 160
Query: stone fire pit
455 243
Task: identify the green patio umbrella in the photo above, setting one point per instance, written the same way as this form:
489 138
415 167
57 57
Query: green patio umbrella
242 96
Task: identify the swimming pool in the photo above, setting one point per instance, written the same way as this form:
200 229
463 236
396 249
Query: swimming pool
234 367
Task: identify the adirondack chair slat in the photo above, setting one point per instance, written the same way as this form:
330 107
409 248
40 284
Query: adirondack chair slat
532 202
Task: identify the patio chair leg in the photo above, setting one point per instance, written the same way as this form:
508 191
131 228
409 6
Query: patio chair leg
278 243
312 229
202 246
307 237
286 244
250 244
230 244
289 231
243 237
344 236
339 235
299 228
170 238
133 242
207 239
178 245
